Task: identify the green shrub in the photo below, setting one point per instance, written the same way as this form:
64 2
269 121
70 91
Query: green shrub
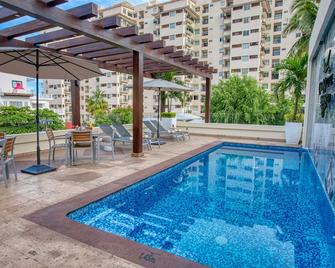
298 119
168 115
117 115
16 120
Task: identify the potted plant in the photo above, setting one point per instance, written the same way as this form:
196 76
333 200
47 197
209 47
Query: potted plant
169 119
293 128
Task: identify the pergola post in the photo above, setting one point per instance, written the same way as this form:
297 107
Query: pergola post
208 101
137 104
75 102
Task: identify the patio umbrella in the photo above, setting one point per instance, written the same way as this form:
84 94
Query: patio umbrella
41 63
163 85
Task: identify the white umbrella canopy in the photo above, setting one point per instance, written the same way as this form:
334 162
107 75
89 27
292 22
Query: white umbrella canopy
42 63
163 85
23 61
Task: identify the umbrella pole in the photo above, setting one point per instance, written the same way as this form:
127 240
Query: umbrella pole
38 149
158 114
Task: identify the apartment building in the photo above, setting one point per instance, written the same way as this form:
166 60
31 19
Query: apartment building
14 91
238 37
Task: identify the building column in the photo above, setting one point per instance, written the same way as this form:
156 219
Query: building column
137 104
75 102
208 101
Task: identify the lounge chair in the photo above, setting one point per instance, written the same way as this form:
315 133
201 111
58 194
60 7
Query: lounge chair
109 133
162 134
123 135
171 130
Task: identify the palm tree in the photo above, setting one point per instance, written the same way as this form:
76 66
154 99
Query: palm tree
97 104
294 82
302 19
168 96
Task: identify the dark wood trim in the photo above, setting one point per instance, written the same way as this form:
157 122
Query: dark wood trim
137 103
208 101
75 102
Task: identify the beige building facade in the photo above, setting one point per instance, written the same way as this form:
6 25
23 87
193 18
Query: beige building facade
238 37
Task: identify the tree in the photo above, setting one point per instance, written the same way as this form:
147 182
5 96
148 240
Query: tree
167 97
294 81
303 17
97 104
240 100
15 120
117 115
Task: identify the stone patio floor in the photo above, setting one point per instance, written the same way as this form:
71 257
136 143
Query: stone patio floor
25 244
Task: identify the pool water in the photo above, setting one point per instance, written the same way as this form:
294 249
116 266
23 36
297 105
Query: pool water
232 206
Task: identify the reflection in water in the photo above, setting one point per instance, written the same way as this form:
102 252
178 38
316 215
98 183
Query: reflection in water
234 207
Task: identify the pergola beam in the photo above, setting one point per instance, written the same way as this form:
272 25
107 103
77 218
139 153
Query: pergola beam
65 20
81 12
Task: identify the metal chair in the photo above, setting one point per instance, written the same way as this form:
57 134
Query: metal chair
81 140
7 157
53 145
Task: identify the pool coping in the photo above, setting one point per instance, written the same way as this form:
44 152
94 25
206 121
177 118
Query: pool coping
54 217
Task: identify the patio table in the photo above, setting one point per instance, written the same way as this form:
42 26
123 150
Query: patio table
96 146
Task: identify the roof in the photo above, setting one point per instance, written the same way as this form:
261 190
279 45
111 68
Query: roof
79 33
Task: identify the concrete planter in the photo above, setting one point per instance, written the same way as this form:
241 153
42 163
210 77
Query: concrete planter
293 132
169 122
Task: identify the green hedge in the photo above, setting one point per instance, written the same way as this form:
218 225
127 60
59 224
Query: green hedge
117 115
16 120
168 115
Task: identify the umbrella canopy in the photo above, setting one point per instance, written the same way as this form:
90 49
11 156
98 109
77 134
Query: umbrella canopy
23 61
163 85
42 63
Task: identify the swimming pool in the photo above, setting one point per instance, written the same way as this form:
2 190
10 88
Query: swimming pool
231 206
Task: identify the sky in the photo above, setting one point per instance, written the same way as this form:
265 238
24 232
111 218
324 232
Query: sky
70 4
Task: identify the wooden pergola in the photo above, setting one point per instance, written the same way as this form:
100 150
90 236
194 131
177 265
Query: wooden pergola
75 32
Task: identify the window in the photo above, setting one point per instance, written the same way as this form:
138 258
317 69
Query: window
236 46
196 42
172 25
253 69
172 37
237 7
265 74
277 27
235 58
265 86
276 51
245 71
245 58
255 17
253 56
246 19
275 63
279 3
246 6
277 39
197 31
235 70
237 20
172 13
266 62
237 33
297 35
254 31
246 33
278 15
245 45
275 75
254 44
